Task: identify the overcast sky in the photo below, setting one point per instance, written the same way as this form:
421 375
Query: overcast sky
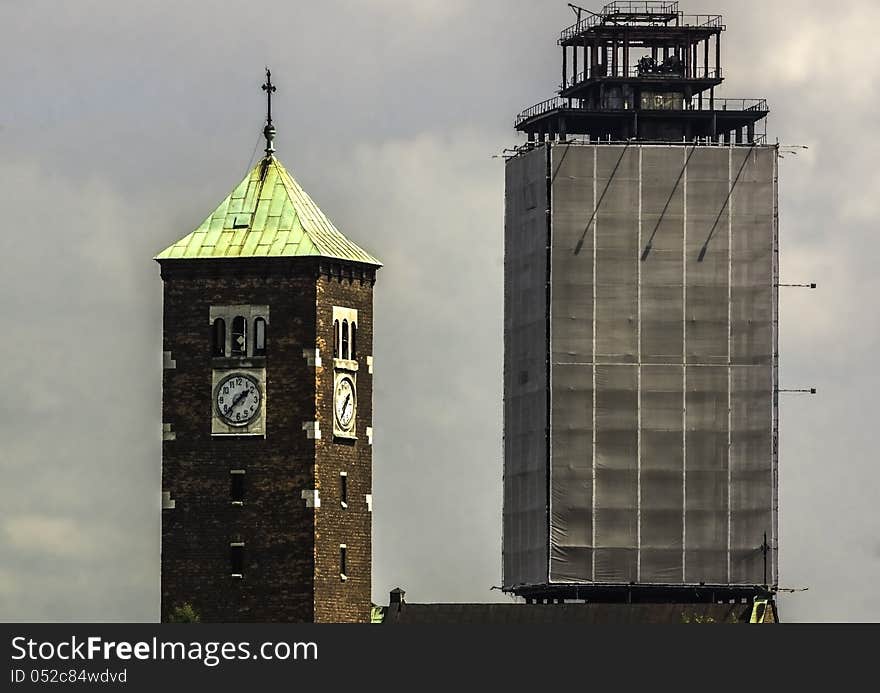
123 124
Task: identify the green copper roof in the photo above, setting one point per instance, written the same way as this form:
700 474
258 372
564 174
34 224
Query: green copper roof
267 215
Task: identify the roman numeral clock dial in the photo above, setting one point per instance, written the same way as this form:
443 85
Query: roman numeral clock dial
238 399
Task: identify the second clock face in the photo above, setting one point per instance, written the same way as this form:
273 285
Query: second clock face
344 402
238 398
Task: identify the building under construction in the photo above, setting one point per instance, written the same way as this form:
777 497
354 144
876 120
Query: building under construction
641 275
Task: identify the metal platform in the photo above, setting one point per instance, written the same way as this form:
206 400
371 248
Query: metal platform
641 593
642 20
701 80
732 119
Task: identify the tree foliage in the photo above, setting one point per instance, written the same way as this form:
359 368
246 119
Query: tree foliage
184 613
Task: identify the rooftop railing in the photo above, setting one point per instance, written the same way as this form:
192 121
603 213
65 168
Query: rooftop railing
558 102
540 109
760 138
637 72
649 18
641 7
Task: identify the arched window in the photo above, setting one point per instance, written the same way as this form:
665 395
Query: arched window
259 337
239 336
336 339
353 341
345 339
218 332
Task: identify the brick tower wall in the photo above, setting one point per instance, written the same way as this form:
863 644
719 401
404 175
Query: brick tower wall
274 522
337 600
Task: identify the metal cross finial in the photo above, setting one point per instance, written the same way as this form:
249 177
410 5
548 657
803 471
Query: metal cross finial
268 87
269 130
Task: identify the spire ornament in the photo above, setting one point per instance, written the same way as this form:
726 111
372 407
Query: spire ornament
269 130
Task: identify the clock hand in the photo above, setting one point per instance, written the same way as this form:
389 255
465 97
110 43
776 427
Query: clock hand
345 403
238 399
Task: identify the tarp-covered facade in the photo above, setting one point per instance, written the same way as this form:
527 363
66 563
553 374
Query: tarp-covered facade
639 409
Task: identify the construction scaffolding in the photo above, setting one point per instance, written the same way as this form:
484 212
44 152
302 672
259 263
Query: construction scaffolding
640 377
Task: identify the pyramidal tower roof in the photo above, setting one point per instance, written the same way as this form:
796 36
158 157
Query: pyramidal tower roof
267 215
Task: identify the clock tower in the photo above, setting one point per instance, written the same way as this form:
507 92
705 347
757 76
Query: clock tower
267 409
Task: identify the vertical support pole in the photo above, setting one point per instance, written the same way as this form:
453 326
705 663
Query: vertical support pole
684 363
638 372
564 67
548 383
765 548
625 58
706 58
774 445
586 58
574 61
595 216
750 133
718 53
739 135
614 57
730 202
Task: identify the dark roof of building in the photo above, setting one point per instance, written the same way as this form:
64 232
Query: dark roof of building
566 613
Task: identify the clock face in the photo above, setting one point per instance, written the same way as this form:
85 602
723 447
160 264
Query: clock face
344 403
238 398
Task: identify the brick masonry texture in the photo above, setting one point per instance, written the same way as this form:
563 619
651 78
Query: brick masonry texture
291 568
336 600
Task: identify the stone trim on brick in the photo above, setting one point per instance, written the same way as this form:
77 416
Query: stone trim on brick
167 432
168 363
312 429
312 357
312 497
